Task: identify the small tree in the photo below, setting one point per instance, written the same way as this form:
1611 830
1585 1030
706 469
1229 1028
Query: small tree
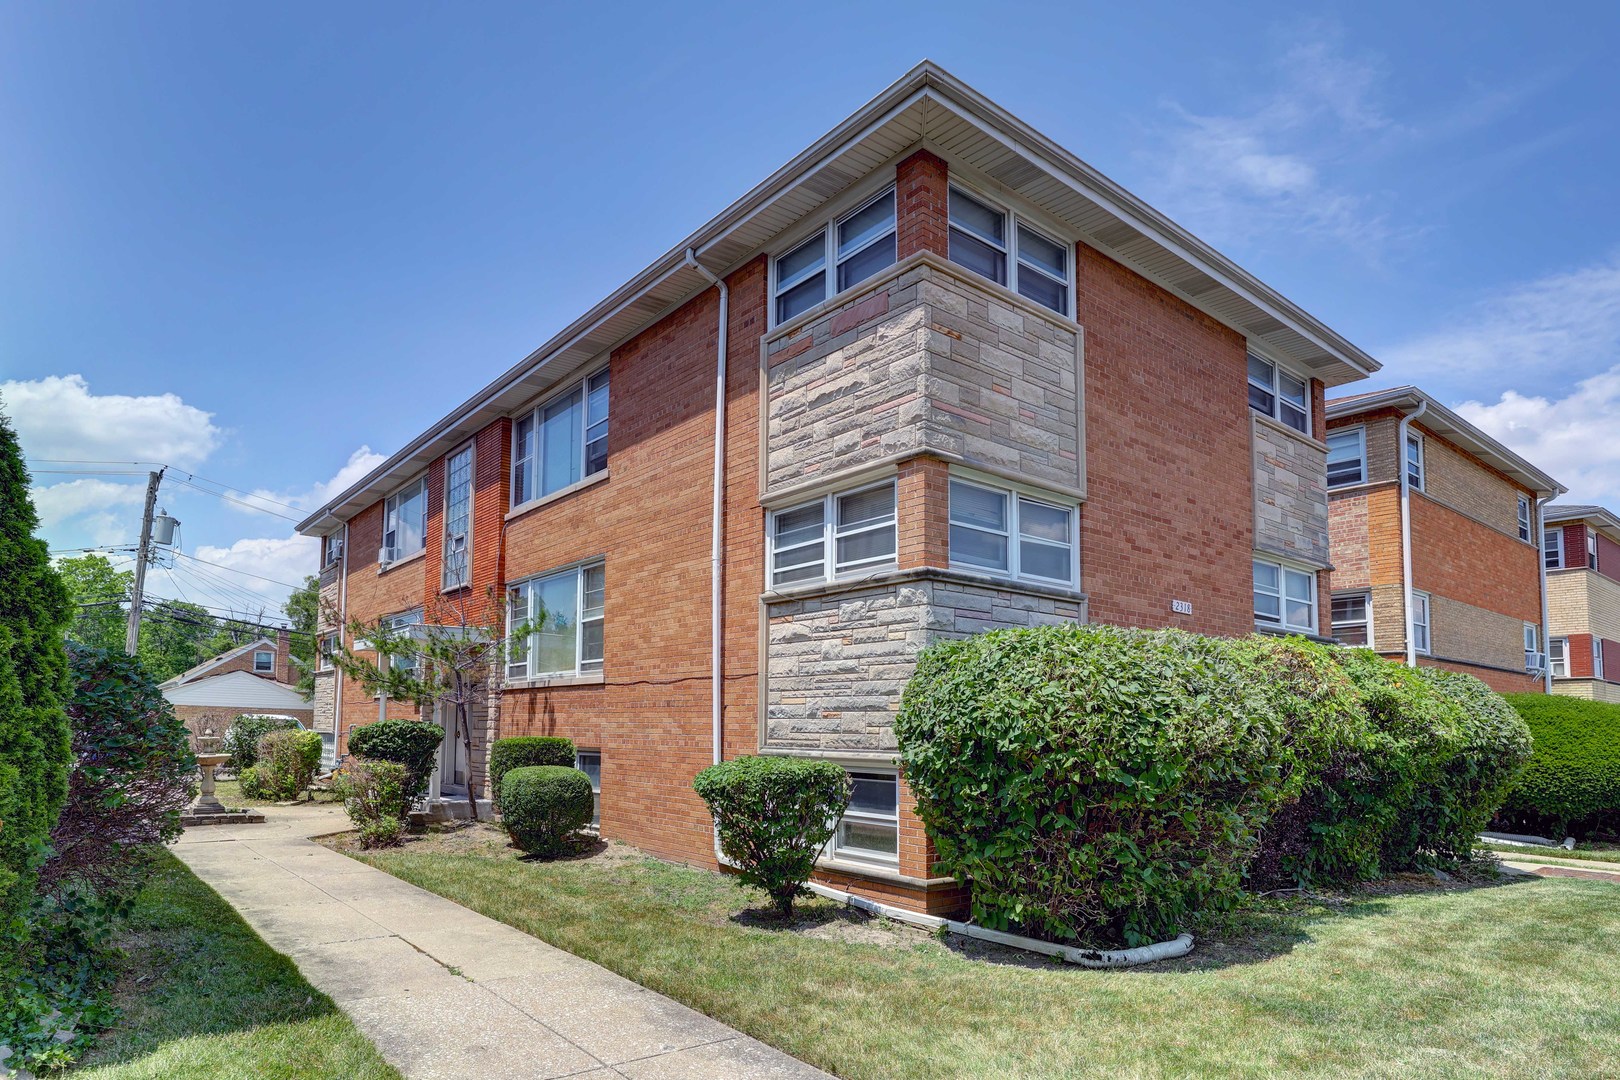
303 611
774 815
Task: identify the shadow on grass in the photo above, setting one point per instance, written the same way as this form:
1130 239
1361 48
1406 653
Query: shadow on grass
803 918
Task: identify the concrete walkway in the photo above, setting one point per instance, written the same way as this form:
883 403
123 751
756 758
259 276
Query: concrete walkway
443 991
1552 866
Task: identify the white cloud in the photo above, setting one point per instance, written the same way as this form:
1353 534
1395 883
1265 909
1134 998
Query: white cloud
1571 438
58 502
270 560
59 417
361 462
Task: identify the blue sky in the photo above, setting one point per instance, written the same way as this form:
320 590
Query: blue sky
267 244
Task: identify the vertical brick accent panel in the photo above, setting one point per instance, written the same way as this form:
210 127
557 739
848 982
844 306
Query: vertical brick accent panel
1319 425
1575 545
1459 558
1170 511
1348 524
373 594
1580 656
922 209
1608 558
1290 493
923 510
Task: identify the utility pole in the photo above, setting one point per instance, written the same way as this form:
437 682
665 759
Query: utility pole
133 634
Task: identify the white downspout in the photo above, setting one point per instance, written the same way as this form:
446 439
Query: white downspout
343 623
1406 530
1546 618
717 526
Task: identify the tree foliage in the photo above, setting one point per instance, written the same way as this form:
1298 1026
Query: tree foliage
1572 782
242 738
100 595
303 609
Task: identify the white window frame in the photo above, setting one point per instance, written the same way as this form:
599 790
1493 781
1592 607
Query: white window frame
1274 391
1532 647
1414 441
1012 258
1558 657
1015 500
1420 601
1526 520
324 648
1591 548
596 786
838 851
535 415
1360 435
831 533
1281 622
331 549
1597 658
400 621
269 668
581 615
452 576
826 230
1365 596
391 506
1554 548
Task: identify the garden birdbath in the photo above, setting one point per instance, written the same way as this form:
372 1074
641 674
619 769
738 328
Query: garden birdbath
207 802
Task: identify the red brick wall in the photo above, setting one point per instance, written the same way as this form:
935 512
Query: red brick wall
1503 682
923 508
1456 557
922 208
372 595
1169 473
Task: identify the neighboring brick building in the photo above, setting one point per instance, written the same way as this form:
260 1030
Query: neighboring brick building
1475 565
1582 545
964 381
256 678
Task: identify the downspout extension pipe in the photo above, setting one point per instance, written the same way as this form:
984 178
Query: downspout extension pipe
1546 617
1406 529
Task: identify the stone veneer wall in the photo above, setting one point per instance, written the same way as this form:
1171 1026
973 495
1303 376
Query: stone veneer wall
926 360
1290 494
838 662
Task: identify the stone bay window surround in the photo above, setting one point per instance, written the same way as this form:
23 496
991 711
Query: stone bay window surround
967 383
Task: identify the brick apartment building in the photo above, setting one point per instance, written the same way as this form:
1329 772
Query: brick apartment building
1582 548
935 375
1402 466
256 678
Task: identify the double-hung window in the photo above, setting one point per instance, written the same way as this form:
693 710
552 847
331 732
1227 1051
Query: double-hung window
323 656
457 518
561 442
1280 394
555 623
1532 647
331 549
1414 460
1347 457
264 662
1420 622
404 522
1597 657
1525 531
400 627
1552 548
1558 657
869 831
1591 548
589 762
1352 619
1005 532
855 247
834 536
998 245
1284 597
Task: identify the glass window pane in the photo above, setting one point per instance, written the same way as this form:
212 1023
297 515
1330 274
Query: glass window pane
1261 372
978 256
595 590
1355 634
1268 606
869 837
866 224
1292 389
561 448
862 265
1261 401
1297 586
523 464
795 574
1044 291
590 642
1344 458
802 261
1042 521
973 505
1294 417
975 217
1037 250
866 507
590 763
1265 577
874 793
977 548
799 525
557 623
801 298
1044 560
869 546
596 406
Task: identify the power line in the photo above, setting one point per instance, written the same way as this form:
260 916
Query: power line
234 570
189 478
239 502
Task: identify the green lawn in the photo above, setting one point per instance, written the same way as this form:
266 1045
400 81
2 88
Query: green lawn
202 996
1582 853
229 792
1508 980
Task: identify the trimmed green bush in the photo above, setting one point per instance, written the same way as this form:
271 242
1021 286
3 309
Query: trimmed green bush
377 799
544 805
287 763
774 815
1571 785
242 738
411 743
1095 782
1473 780
251 787
523 750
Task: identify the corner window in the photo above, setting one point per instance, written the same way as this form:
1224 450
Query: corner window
331 549
1280 394
1524 519
589 762
1591 548
1414 460
1036 267
555 623
325 648
1533 659
1597 657
1420 622
849 533
404 522
856 246
1352 619
1005 532
1558 657
1284 598
1347 457
264 662
1552 548
869 831
561 442
457 519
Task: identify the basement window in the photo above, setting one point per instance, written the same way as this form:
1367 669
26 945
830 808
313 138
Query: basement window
589 762
869 831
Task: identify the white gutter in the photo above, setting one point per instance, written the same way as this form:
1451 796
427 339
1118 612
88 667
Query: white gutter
1546 619
1091 958
1406 529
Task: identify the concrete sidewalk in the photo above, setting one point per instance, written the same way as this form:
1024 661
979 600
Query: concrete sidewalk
443 991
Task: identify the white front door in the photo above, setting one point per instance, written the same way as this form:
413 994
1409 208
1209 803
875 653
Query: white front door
452 755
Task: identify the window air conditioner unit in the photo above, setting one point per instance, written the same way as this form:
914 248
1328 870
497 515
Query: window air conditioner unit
385 556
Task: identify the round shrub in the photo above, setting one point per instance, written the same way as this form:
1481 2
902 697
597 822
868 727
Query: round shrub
1474 779
242 738
1571 785
376 798
522 750
774 815
287 763
247 781
1093 781
411 743
543 805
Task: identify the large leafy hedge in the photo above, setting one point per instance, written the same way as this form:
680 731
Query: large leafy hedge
411 743
1474 778
1572 783
242 738
1097 782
